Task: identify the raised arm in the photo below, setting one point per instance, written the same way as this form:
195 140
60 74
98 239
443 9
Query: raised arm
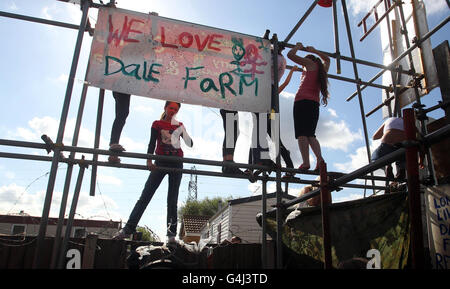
323 56
292 55
288 79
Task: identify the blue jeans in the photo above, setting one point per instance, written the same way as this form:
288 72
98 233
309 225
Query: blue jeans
385 149
154 180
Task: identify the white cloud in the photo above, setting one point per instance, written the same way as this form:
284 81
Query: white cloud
360 159
336 135
436 6
204 149
130 145
360 7
10 192
357 160
26 134
49 126
109 180
332 112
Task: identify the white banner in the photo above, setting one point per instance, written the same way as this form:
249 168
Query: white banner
152 56
423 60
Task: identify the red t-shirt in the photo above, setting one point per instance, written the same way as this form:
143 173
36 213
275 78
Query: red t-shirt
309 86
164 138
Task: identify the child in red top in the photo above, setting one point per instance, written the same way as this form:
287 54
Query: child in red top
165 137
307 102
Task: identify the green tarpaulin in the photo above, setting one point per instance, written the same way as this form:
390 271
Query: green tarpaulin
378 222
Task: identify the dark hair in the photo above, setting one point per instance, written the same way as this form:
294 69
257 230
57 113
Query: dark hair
163 115
323 78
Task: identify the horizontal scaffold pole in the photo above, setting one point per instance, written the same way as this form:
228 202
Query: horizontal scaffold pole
44 21
158 157
361 61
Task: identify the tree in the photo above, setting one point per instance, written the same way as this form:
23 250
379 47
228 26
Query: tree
147 234
206 207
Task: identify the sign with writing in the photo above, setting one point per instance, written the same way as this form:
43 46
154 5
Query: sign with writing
438 223
152 56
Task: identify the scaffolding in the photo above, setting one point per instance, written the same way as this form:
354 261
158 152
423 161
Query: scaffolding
336 182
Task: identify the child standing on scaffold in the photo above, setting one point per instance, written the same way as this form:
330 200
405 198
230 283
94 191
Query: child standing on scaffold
306 105
165 137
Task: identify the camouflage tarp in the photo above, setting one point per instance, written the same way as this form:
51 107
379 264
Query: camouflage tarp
379 222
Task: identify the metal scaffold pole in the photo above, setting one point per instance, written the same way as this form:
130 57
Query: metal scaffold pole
412 169
56 152
264 224
68 178
73 208
329 181
276 108
98 128
355 70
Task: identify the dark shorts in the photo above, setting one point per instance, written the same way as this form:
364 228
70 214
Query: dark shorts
306 116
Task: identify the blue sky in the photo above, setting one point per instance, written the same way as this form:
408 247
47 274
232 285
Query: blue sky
36 60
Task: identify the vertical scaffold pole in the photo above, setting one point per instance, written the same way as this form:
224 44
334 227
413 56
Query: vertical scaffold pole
358 88
276 108
56 152
325 201
98 128
62 210
263 224
412 169
336 38
73 209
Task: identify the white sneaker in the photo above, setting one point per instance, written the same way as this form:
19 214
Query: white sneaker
171 241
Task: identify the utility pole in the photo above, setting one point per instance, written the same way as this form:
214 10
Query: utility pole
192 188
